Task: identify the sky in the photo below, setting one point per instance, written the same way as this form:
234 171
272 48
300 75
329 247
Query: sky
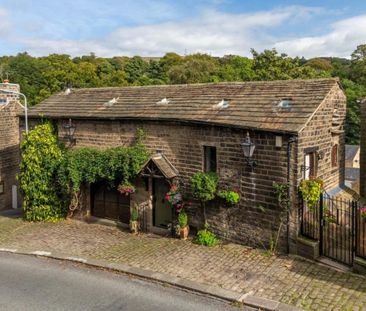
152 28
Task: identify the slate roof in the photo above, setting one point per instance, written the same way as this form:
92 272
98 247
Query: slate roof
352 173
351 151
251 104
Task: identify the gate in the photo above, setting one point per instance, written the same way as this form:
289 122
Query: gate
334 222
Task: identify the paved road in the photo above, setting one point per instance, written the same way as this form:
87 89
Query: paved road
29 283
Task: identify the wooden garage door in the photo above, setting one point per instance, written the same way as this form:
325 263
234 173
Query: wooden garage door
108 203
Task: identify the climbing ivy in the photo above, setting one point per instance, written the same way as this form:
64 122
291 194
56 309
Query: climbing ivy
51 176
41 160
310 191
89 165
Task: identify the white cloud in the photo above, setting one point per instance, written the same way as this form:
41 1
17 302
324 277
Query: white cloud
213 32
4 21
343 38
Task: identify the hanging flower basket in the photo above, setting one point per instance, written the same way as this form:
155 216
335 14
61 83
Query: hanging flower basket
126 188
173 196
363 213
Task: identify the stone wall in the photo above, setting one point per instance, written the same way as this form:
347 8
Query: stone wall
363 150
9 144
183 146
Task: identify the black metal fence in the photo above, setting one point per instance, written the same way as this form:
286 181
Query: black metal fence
338 226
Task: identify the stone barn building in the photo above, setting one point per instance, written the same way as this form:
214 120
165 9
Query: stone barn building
296 126
9 146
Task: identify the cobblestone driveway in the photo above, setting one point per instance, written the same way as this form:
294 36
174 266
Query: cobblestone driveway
235 267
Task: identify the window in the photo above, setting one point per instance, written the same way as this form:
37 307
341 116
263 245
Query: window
210 161
335 156
311 165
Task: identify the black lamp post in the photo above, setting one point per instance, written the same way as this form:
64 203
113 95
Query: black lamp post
70 130
248 150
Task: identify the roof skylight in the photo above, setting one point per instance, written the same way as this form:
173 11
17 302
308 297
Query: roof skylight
111 102
164 101
285 103
222 104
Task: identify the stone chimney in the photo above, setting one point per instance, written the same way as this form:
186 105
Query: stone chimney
363 150
9 146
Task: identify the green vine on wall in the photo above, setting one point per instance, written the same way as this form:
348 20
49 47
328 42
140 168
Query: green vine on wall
51 176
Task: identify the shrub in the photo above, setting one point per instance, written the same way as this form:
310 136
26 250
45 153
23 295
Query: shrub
204 186
206 237
310 191
182 219
230 197
134 214
41 159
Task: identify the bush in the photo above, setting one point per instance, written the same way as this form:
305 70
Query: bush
230 197
182 219
41 158
204 186
206 237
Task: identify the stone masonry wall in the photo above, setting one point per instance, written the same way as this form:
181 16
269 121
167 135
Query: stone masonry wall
363 150
183 146
9 144
325 129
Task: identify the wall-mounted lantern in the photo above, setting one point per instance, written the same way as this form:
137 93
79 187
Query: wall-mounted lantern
70 131
248 150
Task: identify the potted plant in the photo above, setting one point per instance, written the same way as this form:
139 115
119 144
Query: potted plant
134 224
183 225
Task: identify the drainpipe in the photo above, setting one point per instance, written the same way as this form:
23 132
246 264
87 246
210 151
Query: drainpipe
292 140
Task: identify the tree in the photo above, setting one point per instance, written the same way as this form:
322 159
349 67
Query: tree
198 68
358 64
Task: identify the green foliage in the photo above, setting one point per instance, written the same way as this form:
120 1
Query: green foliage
310 191
230 197
90 165
40 77
41 159
281 192
134 214
204 186
182 219
206 237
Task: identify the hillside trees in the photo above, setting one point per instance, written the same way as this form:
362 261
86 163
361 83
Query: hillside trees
40 77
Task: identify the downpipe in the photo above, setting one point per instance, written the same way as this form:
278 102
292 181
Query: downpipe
291 141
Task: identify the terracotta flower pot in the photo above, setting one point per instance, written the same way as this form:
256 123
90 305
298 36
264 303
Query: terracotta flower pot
134 227
183 232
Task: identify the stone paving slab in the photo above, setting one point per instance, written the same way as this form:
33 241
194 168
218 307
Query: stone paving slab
237 268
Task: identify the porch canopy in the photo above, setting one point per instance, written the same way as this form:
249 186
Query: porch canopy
158 166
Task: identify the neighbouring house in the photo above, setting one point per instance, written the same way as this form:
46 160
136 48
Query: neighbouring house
363 150
352 156
297 128
352 172
9 146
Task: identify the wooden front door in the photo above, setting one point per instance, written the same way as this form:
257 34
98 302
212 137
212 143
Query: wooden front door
108 203
162 210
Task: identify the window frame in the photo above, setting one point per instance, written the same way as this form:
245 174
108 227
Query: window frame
207 163
311 168
335 156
